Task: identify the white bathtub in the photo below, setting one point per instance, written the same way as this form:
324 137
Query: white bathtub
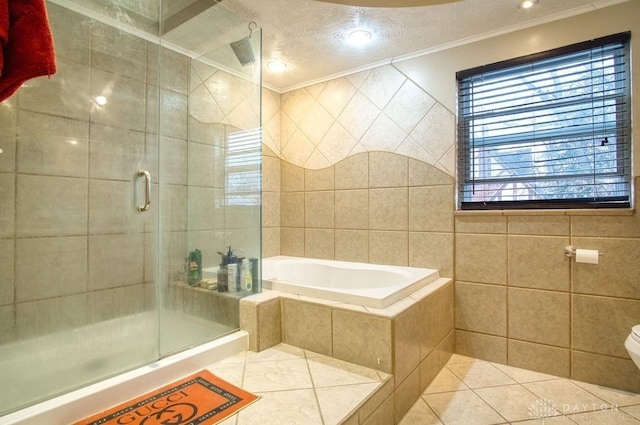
368 285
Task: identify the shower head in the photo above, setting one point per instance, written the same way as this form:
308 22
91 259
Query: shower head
244 51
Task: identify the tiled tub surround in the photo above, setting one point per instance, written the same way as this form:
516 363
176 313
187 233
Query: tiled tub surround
518 299
412 339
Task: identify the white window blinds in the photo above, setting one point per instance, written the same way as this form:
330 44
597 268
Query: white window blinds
243 168
551 130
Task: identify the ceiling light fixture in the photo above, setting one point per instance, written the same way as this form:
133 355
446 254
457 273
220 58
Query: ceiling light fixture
276 65
528 4
359 37
101 100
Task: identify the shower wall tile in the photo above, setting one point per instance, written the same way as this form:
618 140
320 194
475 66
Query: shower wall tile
126 98
539 316
115 260
8 128
315 335
539 262
112 207
481 258
323 179
7 256
128 60
108 304
50 267
271 245
71 32
352 209
423 174
293 209
617 271
481 346
173 71
175 167
409 105
7 323
52 145
38 197
353 172
7 205
388 209
539 358
204 211
352 245
432 250
539 225
601 324
292 178
319 209
388 170
152 106
115 153
431 209
481 308
173 208
271 209
51 315
64 94
271 174
319 243
173 114
388 248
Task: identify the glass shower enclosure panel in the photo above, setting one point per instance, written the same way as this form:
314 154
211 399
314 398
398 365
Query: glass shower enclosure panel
213 199
91 285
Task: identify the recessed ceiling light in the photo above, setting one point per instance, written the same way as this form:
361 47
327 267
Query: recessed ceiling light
359 37
527 4
276 65
101 100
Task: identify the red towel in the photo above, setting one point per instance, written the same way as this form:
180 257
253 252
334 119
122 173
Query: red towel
27 44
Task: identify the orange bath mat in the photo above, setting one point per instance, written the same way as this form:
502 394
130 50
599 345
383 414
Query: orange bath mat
199 399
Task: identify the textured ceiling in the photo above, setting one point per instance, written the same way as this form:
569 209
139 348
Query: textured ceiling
309 35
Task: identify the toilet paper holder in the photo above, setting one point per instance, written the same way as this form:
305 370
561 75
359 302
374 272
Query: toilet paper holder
570 251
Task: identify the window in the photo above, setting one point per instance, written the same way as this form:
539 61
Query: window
551 130
243 168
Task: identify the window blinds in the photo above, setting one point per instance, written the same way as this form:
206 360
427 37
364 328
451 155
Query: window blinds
551 130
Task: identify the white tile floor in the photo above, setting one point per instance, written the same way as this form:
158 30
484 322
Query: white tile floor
473 392
297 386
304 388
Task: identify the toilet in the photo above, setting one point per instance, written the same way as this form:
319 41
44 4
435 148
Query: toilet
632 344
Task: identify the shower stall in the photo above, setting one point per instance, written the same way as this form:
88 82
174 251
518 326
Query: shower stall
121 179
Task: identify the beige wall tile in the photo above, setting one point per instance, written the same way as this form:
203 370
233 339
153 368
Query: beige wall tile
423 174
480 346
125 251
323 179
307 326
481 224
371 405
352 245
606 226
432 250
270 241
271 209
388 248
319 209
271 174
7 256
601 325
406 328
540 358
431 209
249 323
429 309
292 177
481 308
319 243
388 170
293 213
352 209
269 324
7 323
481 258
539 262
446 349
353 172
604 370
51 315
388 209
429 368
446 307
539 225
363 340
292 241
617 271
383 415
539 316
406 394
112 303
7 205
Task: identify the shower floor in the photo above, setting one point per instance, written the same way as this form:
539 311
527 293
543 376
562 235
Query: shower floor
74 358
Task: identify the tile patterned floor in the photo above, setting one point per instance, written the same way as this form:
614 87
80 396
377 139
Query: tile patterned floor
473 392
297 386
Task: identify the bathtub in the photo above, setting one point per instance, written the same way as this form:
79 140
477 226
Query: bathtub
83 402
368 285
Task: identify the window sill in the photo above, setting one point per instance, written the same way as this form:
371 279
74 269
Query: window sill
549 212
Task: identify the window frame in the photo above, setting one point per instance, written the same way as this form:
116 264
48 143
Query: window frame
465 139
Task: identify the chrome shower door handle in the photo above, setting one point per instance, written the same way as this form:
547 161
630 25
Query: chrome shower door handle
147 190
